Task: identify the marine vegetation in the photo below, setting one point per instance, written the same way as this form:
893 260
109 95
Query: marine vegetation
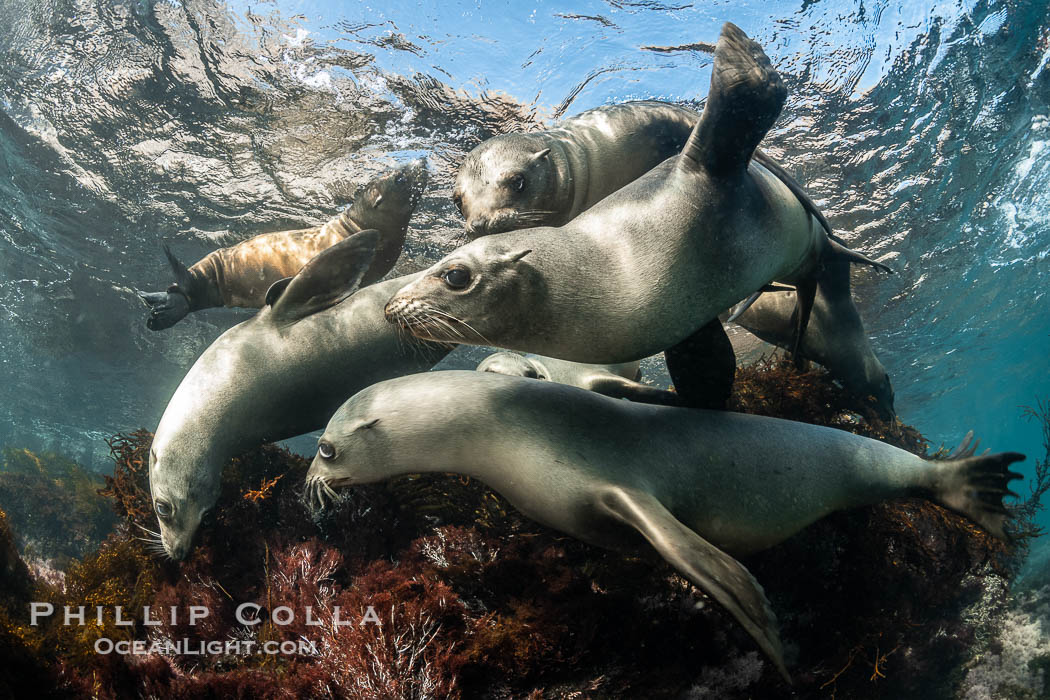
56 501
445 591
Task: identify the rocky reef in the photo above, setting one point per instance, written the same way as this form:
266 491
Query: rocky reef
445 591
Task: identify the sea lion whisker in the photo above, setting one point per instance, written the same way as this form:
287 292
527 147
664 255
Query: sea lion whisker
311 494
460 322
330 491
475 331
435 316
145 529
452 329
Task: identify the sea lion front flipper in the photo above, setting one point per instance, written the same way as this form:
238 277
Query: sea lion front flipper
716 573
331 276
702 367
745 98
623 388
805 294
738 310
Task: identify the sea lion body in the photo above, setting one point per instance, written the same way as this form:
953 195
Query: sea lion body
628 278
240 275
835 336
268 379
565 170
696 484
619 381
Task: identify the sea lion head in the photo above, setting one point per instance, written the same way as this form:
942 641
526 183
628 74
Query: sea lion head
387 202
184 482
510 182
514 365
388 429
882 389
470 296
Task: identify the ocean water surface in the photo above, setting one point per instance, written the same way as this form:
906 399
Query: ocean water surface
921 128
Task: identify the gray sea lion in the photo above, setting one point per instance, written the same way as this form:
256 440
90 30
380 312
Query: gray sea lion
653 262
279 374
619 381
698 485
835 336
240 274
547 178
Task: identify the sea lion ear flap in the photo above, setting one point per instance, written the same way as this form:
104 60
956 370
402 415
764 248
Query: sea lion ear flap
538 156
330 276
511 258
276 290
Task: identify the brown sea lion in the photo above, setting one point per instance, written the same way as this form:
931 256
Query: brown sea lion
240 274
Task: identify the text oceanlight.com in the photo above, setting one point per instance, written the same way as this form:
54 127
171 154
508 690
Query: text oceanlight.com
196 647
246 614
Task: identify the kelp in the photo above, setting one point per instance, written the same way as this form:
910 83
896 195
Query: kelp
474 600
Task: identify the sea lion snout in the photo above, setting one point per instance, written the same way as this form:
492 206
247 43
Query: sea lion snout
397 309
415 173
178 551
478 226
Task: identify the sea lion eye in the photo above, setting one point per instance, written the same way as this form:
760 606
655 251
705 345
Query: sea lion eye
375 204
457 199
164 509
457 277
325 450
517 183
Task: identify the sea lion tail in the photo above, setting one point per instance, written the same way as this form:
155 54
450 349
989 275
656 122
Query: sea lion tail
974 485
840 252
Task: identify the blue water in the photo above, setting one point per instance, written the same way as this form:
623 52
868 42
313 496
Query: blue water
921 128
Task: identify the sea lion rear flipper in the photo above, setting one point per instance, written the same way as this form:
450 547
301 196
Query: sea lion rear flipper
806 292
841 252
166 308
189 293
702 367
974 486
331 276
716 573
745 98
623 388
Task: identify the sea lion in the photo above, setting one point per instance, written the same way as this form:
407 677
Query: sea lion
618 381
240 274
651 263
279 374
547 178
700 486
835 336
